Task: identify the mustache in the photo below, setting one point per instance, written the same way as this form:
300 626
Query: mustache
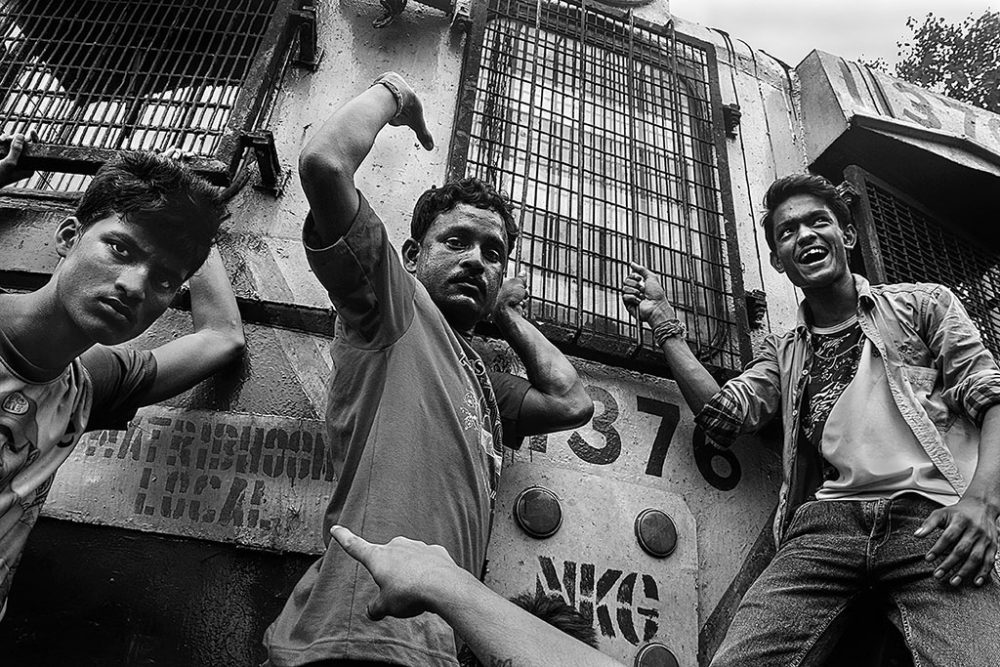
471 278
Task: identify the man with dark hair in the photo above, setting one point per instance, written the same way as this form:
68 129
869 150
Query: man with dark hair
414 416
887 398
143 227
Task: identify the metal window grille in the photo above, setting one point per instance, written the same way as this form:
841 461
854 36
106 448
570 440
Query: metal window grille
95 76
902 242
601 131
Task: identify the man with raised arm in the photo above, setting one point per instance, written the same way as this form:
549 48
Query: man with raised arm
887 398
414 417
143 227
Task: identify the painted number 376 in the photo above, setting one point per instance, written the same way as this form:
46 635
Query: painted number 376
719 467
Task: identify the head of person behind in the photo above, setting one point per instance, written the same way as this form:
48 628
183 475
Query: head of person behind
810 231
144 225
552 610
461 235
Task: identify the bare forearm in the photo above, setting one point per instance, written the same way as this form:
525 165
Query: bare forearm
501 633
696 384
214 312
331 158
985 483
548 369
557 399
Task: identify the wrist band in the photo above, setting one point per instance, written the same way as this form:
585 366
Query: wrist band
668 329
388 80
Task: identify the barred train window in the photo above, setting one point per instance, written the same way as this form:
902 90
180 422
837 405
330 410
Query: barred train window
601 132
133 74
902 242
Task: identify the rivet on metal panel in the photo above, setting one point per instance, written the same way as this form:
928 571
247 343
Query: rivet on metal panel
655 655
656 533
537 512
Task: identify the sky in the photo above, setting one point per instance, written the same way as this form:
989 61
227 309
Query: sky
853 29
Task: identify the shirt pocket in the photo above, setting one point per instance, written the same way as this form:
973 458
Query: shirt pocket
926 387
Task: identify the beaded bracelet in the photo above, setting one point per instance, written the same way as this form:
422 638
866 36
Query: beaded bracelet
668 329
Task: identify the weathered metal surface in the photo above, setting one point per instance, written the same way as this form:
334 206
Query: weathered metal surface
643 434
594 563
93 596
258 480
837 93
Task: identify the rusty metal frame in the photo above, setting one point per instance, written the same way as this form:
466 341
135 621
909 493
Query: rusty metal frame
909 243
255 97
573 337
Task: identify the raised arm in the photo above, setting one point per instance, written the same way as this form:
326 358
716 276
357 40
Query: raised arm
331 158
216 340
644 298
414 577
557 399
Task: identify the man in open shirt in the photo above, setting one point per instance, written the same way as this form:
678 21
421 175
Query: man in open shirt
887 399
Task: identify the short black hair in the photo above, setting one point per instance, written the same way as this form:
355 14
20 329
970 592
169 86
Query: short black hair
181 210
552 610
802 184
471 191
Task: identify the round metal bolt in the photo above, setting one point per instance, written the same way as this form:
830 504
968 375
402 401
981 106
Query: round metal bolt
537 512
656 533
655 655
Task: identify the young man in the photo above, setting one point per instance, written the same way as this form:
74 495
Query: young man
887 399
142 228
414 416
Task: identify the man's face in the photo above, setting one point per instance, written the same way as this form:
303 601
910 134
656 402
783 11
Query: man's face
810 245
114 281
461 263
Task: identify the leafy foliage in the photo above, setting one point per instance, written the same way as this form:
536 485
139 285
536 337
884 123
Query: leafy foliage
960 60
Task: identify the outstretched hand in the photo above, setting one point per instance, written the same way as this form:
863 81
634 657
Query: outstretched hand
968 541
11 148
405 570
410 112
644 297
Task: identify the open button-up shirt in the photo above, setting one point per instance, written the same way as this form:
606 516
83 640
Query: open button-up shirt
941 377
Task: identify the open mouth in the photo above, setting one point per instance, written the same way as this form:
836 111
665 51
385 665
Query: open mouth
812 255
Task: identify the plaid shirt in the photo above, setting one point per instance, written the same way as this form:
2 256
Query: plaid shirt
912 327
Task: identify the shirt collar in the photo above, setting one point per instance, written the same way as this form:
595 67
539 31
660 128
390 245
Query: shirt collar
861 286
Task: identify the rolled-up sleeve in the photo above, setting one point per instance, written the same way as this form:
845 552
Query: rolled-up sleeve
747 402
969 371
370 290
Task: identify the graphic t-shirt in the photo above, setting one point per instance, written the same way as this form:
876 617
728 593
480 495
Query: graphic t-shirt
42 416
868 451
836 351
414 419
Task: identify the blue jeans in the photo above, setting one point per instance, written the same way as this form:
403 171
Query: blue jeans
836 550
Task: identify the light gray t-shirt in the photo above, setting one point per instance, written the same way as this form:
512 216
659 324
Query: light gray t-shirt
415 432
